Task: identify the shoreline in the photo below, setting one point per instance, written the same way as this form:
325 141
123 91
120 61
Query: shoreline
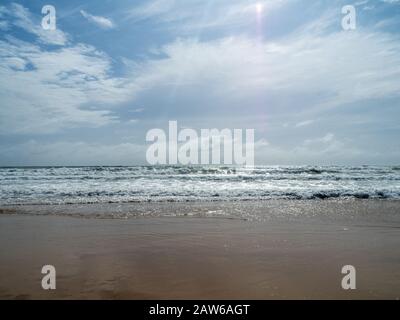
240 209
287 250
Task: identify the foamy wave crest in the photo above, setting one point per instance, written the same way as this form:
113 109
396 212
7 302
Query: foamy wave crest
61 185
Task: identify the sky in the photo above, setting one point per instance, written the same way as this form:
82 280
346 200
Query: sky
87 92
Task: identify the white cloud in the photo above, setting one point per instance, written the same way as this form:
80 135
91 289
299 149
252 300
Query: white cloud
45 91
138 110
306 72
151 9
73 153
4 25
22 18
304 123
51 94
99 21
327 149
238 68
366 66
326 142
15 63
189 15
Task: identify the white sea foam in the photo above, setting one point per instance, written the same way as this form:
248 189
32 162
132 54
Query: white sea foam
60 185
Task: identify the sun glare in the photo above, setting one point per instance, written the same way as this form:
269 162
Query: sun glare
259 8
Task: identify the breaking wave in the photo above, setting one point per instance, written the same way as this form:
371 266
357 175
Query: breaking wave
79 185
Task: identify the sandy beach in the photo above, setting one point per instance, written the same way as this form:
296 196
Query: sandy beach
282 250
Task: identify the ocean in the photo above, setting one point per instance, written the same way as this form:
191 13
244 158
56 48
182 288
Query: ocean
84 185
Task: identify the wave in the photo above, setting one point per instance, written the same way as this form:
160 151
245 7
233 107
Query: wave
97 198
195 183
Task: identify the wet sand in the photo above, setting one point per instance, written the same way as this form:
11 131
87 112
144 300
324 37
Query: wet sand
258 250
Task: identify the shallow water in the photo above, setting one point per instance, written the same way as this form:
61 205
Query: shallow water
373 212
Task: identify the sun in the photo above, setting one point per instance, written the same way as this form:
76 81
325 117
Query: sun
259 7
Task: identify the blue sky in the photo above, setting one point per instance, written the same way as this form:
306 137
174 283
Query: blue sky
87 93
